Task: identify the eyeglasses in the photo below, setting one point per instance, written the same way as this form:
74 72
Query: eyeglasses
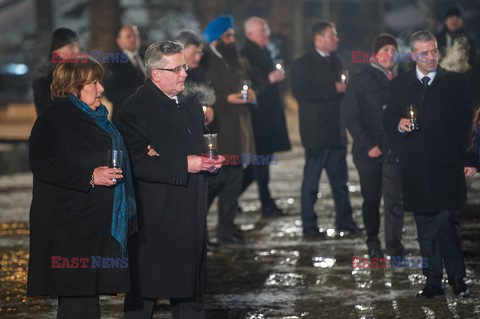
176 70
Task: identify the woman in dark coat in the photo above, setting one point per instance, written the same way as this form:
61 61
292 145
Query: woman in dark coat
79 214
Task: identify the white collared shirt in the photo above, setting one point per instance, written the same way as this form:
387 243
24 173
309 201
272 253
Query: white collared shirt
323 54
420 75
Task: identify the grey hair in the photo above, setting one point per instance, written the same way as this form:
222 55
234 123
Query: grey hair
422 35
249 26
155 53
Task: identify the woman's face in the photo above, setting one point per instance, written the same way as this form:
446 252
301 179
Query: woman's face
91 94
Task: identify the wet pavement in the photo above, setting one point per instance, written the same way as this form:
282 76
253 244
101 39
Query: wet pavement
277 274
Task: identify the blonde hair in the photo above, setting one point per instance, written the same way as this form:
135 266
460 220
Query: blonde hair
72 75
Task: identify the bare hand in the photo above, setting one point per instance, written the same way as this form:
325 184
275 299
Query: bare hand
341 87
375 152
404 125
276 76
469 171
103 175
151 151
199 163
209 115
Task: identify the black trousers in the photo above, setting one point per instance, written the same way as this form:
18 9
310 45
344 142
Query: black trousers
182 308
333 160
227 185
78 307
377 179
439 239
260 174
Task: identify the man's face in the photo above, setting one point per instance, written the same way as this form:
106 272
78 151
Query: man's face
328 41
259 34
193 54
228 37
426 55
453 23
385 56
128 39
169 82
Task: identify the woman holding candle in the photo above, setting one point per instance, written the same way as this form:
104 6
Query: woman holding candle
81 209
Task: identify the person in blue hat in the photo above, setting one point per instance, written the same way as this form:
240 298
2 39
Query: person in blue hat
227 71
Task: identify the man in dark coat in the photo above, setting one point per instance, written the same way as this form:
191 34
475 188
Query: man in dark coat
433 158
374 156
317 87
122 79
64 45
225 70
168 257
268 119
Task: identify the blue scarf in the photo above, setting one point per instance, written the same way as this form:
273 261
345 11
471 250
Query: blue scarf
124 206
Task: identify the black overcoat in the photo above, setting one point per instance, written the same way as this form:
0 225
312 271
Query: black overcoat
168 254
362 108
313 85
268 119
432 158
68 218
121 80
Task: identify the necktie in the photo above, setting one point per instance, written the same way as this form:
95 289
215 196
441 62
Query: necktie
390 75
425 81
327 59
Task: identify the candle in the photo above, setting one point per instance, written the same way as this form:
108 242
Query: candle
204 108
344 78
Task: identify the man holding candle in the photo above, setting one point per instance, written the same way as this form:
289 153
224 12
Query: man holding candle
433 159
317 86
226 71
168 255
375 157
268 119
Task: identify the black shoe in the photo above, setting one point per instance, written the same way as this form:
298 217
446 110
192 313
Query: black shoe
430 291
313 233
461 290
275 212
375 253
349 229
374 249
234 239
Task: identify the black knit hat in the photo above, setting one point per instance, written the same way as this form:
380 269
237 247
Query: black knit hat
62 37
382 40
453 11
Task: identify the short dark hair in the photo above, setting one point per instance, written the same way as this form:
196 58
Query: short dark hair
320 27
189 38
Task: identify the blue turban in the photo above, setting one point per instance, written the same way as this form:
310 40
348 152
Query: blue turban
217 27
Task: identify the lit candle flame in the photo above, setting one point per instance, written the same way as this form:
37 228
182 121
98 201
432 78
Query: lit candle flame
210 146
412 114
278 66
204 109
245 87
344 78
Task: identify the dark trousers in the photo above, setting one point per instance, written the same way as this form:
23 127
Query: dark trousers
377 179
261 174
439 239
78 307
182 308
335 163
227 185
